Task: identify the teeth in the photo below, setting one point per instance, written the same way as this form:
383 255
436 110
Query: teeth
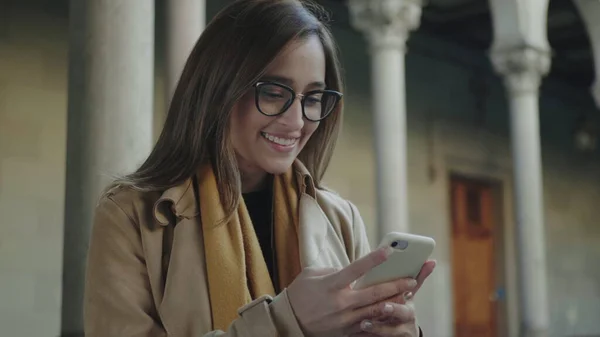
280 141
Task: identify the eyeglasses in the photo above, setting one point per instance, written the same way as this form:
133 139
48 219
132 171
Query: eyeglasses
273 99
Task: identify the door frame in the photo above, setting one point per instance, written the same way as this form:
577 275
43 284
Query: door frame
468 151
498 254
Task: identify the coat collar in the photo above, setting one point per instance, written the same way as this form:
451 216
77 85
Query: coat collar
180 200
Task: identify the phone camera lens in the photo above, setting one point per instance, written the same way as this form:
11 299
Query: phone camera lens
401 244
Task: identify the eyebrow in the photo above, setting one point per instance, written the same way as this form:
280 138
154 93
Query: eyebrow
289 82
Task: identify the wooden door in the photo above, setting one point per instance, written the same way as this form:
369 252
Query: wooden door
473 266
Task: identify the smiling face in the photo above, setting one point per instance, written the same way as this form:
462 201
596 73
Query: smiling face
270 144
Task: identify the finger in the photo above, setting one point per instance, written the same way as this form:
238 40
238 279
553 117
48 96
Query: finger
396 319
383 291
379 311
357 330
426 270
322 271
390 330
401 298
358 268
362 334
394 312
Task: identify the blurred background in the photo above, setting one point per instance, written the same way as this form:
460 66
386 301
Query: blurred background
509 188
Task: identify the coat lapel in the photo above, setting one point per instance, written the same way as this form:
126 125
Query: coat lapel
185 278
320 246
186 297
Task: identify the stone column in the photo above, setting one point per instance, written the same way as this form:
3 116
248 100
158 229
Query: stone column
184 24
111 62
521 55
523 68
386 25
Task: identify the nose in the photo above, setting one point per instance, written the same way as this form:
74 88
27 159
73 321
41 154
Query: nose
293 118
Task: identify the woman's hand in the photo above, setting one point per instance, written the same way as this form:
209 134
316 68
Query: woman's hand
326 305
396 320
397 314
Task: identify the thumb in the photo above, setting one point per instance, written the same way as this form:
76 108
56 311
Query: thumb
426 270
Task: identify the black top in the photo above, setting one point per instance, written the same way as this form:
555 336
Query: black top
260 208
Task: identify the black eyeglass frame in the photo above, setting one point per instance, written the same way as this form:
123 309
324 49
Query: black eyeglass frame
338 97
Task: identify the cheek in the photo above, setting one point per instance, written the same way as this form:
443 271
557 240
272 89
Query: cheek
246 119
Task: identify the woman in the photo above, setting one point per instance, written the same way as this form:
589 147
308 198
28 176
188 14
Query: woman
225 229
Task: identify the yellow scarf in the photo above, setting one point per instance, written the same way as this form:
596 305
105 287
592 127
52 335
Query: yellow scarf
236 268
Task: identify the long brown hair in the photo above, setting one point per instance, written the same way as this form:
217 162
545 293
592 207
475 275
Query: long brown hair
230 56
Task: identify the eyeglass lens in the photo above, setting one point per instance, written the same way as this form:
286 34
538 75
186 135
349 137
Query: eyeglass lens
273 99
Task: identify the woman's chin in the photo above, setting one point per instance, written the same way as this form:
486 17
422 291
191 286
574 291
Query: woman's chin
276 168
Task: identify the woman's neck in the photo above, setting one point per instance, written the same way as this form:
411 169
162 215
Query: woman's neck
254 181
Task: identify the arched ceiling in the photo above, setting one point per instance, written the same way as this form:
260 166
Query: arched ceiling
469 24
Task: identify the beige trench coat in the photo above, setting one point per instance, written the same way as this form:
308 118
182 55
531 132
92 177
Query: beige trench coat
146 270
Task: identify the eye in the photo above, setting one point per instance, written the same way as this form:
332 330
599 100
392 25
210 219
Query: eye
271 94
313 99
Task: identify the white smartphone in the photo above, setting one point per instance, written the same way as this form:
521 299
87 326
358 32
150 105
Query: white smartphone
409 253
